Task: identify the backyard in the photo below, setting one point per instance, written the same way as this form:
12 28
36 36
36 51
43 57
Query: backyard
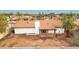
48 38
12 40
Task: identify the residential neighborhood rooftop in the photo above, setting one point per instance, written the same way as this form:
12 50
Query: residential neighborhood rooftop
24 24
44 24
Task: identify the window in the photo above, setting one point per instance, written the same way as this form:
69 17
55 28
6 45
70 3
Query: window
43 31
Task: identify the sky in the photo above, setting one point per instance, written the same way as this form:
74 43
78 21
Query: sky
39 11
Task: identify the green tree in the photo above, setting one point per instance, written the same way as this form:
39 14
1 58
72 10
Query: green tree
7 14
68 23
40 16
51 15
19 15
3 24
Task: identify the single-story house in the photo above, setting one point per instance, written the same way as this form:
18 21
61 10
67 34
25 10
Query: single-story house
38 27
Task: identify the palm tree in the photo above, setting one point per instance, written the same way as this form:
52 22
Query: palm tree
68 23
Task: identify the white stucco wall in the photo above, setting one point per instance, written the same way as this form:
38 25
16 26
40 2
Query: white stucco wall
37 26
24 30
50 31
36 31
59 30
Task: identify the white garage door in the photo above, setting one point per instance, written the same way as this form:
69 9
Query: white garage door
24 30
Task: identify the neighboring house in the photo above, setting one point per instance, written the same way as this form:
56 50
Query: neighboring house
21 17
38 27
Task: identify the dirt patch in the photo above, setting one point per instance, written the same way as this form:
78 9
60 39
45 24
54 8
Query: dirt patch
33 41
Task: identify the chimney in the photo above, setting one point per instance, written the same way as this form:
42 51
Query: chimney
37 26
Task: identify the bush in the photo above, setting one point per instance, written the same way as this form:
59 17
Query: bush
75 40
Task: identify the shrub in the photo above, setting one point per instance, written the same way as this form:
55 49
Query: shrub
75 40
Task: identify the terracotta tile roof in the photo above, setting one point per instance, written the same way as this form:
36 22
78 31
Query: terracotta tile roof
50 24
44 24
24 24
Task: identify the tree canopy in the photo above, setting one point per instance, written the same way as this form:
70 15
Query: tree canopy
3 24
68 21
